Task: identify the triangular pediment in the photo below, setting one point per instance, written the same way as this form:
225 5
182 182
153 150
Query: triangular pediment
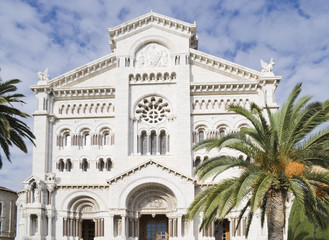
146 165
156 20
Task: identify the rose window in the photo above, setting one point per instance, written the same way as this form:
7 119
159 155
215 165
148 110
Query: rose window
153 109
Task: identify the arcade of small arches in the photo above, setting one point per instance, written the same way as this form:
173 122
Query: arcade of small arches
150 77
85 138
202 132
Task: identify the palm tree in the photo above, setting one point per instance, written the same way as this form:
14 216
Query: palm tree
284 156
13 130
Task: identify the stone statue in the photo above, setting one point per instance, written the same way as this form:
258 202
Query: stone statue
267 67
43 76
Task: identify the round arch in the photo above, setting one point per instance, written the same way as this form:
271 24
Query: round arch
139 183
85 195
162 40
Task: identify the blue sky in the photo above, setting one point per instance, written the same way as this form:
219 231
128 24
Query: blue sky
63 35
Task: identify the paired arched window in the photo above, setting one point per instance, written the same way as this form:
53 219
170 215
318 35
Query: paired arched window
101 165
64 139
154 143
64 164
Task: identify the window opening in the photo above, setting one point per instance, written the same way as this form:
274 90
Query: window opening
143 143
101 164
84 165
61 165
68 165
108 164
163 143
153 143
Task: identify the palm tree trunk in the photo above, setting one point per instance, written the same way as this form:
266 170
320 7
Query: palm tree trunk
275 213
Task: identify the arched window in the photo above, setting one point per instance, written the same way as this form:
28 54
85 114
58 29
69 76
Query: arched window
143 144
84 165
86 138
153 143
106 138
200 135
61 165
163 144
101 164
109 164
68 165
205 158
66 139
197 161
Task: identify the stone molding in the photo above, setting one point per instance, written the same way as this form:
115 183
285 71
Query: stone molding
131 27
144 165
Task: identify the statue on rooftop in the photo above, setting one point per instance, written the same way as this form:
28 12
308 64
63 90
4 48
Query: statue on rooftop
43 76
267 67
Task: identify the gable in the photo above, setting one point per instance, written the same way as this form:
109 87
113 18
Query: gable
149 164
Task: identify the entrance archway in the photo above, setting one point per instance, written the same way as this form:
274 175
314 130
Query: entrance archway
152 212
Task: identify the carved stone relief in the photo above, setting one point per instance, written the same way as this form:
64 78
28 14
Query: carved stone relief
152 55
153 203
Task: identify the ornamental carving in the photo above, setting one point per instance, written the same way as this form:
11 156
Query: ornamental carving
153 203
152 55
153 109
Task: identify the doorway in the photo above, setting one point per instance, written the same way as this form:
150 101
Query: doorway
153 228
88 230
222 230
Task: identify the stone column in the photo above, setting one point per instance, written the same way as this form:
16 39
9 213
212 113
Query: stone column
39 225
28 224
136 228
64 227
77 221
123 226
71 228
179 227
50 227
135 137
148 142
170 228
175 227
96 227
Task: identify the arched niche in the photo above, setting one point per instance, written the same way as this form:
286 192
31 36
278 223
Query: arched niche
151 198
152 55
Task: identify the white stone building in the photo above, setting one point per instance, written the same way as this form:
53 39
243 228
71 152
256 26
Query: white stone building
113 156
7 213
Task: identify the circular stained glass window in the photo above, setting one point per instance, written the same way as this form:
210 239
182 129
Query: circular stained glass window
153 109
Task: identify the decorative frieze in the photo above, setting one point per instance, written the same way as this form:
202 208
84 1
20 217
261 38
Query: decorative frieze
223 88
86 109
152 78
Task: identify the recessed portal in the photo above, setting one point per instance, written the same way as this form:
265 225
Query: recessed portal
88 230
153 228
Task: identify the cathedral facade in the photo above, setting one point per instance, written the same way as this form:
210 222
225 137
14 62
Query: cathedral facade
114 138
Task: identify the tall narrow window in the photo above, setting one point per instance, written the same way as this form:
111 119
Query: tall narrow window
143 144
163 144
101 164
109 164
86 138
66 139
68 165
201 135
34 192
221 132
84 165
106 138
197 161
61 165
153 143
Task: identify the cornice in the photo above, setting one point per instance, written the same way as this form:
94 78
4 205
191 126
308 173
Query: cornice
144 165
91 68
82 187
82 93
224 88
136 24
224 66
